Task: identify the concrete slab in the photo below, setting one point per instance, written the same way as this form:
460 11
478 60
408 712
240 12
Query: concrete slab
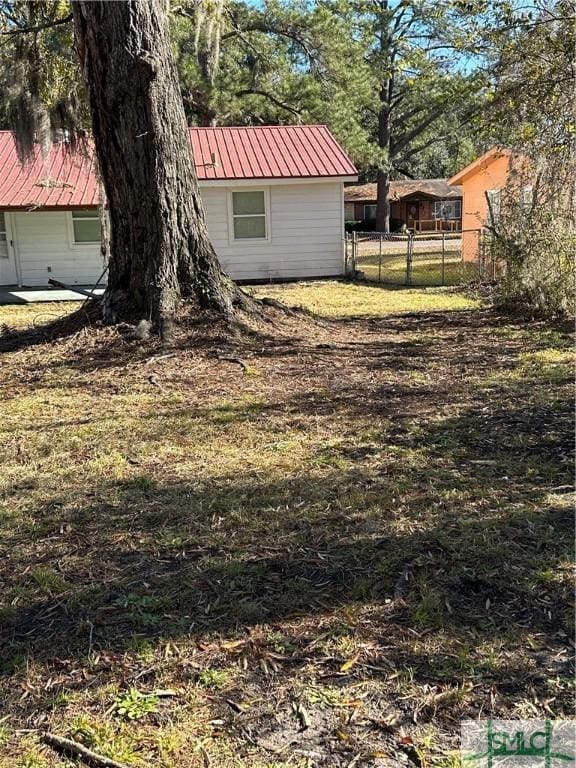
14 295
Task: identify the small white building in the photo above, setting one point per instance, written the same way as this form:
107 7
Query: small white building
273 197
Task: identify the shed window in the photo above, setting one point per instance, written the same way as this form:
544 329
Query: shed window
249 215
370 212
86 226
447 209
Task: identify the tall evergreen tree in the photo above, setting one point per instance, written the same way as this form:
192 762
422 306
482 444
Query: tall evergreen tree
410 53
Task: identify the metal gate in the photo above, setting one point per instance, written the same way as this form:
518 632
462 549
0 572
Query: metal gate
445 258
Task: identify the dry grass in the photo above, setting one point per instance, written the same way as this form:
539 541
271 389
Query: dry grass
31 315
332 299
363 537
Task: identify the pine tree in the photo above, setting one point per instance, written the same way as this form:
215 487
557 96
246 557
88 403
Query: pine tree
407 58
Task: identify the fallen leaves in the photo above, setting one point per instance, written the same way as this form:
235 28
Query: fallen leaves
347 537
347 665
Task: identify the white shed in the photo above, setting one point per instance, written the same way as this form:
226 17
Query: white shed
273 197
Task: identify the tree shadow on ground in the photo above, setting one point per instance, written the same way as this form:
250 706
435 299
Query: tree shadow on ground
425 519
407 345
471 529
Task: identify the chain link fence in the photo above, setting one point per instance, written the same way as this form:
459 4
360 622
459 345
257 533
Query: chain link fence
447 258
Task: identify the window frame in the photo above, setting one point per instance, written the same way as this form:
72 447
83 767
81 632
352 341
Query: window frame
370 205
4 232
440 203
72 242
231 216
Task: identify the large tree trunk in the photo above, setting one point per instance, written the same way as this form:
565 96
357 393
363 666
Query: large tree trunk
159 246
384 142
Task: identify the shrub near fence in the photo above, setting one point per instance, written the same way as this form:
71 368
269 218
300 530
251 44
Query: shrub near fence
420 260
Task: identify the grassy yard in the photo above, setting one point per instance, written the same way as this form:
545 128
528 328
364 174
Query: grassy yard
426 269
337 300
326 556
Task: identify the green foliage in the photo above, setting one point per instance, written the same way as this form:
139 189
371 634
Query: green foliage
241 64
41 90
117 741
411 87
49 580
323 63
215 679
531 109
273 63
536 253
134 705
143 609
530 100
405 88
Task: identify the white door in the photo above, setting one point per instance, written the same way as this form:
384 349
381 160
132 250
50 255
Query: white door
8 274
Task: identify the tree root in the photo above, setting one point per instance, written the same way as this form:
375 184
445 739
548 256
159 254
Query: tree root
70 747
268 301
230 359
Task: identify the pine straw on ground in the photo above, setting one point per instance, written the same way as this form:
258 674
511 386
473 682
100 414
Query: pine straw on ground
314 542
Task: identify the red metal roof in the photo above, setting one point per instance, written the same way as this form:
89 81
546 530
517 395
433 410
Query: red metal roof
62 180
269 152
67 179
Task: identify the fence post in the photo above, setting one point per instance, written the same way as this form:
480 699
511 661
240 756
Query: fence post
409 247
354 247
480 252
443 258
380 259
492 257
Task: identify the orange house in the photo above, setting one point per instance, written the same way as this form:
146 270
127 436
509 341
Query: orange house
487 174
484 178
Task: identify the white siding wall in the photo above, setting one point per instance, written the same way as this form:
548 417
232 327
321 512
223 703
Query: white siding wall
305 222
305 227
44 250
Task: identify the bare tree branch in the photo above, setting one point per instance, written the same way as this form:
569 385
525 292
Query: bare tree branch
403 117
39 27
420 148
269 29
270 97
403 142
403 171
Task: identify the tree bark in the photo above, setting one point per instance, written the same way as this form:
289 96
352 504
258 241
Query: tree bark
383 176
159 245
383 201
385 119
104 227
